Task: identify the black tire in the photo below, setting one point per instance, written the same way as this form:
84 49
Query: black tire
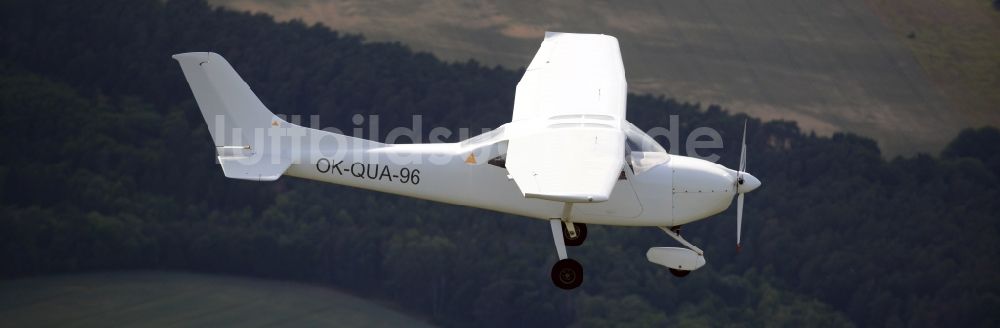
581 234
567 274
679 273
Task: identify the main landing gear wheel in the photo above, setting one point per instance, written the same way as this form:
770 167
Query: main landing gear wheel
581 234
679 273
567 274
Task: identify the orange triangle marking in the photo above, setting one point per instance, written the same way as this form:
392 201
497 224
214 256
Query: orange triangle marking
274 123
471 159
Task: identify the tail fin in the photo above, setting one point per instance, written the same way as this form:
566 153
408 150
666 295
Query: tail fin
236 118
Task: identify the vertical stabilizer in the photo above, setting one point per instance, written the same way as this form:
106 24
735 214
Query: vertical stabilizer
236 118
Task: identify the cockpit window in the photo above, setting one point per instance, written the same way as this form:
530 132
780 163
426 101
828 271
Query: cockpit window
639 141
645 153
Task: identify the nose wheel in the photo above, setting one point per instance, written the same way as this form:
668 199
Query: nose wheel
679 261
567 274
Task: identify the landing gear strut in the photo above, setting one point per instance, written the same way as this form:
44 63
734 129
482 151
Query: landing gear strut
567 273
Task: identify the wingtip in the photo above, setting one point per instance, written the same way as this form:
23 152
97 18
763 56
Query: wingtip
196 55
553 35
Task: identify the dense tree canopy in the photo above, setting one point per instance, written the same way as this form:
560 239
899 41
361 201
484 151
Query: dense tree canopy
108 165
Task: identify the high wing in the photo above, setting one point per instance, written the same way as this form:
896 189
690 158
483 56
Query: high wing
569 111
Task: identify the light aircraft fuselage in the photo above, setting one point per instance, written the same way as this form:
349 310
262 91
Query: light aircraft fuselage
567 156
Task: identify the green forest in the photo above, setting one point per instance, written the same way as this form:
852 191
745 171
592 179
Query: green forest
108 165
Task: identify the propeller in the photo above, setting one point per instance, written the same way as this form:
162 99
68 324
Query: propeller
744 183
739 220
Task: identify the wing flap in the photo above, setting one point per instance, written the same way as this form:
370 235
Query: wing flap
576 165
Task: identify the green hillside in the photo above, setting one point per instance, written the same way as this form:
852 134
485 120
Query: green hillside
108 166
161 299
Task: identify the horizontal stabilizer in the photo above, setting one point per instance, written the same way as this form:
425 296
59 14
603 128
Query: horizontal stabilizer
238 168
243 163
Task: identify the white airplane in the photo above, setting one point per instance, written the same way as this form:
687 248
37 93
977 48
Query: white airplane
568 156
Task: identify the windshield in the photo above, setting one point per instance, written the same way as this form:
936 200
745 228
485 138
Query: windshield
639 141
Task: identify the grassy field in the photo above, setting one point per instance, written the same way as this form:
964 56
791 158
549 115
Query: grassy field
957 43
157 299
829 65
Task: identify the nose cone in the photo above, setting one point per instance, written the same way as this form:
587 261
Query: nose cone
750 183
698 176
